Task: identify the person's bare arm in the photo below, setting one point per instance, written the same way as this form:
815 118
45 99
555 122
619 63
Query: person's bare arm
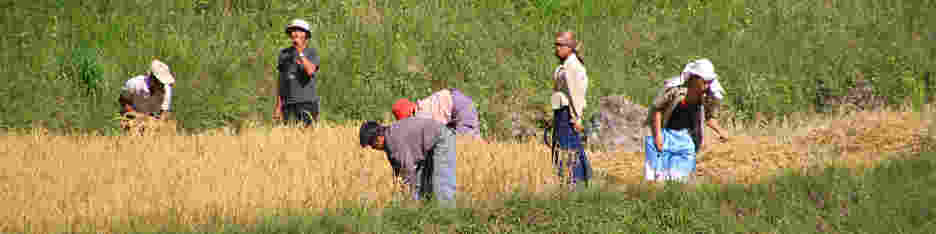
278 103
712 110
713 124
657 130
278 107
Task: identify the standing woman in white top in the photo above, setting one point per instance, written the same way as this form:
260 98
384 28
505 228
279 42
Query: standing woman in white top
568 103
149 94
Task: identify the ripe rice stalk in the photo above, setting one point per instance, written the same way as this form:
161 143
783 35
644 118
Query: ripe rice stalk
74 183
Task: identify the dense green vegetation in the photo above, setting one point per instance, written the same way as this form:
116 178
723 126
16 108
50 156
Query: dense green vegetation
64 61
894 197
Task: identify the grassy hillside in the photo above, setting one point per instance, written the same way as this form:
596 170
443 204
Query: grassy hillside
64 61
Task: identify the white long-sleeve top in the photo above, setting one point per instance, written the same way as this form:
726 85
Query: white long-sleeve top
571 85
138 86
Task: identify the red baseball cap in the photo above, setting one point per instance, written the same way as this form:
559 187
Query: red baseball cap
403 108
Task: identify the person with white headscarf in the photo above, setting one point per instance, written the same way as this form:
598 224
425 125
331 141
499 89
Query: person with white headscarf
676 117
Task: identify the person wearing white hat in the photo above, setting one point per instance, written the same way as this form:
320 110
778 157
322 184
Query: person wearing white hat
298 64
149 94
676 117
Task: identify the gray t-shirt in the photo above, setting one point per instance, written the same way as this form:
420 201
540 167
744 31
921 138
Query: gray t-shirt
409 141
295 85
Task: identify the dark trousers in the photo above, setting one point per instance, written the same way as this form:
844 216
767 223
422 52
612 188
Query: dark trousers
568 150
307 113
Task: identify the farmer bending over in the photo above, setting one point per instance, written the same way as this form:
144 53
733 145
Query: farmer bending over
147 95
676 117
421 152
450 107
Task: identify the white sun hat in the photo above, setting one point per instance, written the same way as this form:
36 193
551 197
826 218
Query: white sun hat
702 68
161 71
298 23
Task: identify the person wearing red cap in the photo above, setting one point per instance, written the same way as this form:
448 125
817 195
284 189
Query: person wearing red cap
450 107
403 108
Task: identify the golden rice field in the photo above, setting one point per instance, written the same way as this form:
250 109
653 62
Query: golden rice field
63 183
66 183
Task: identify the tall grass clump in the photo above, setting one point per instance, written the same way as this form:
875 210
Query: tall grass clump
82 69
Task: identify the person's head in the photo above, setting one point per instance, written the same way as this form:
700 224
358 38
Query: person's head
403 108
298 31
372 135
701 74
698 85
565 44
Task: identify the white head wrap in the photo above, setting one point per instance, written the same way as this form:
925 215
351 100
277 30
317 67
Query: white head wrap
702 68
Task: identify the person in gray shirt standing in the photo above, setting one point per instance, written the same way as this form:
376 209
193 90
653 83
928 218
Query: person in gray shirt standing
297 66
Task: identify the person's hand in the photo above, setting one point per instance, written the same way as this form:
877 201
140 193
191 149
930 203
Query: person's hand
277 114
300 48
578 127
725 138
658 141
133 114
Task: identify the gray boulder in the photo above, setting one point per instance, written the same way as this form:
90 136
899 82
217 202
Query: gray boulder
621 124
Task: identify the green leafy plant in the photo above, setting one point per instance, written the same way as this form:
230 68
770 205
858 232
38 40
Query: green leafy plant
82 69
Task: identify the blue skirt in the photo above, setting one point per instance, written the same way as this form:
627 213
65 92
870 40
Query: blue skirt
570 156
676 161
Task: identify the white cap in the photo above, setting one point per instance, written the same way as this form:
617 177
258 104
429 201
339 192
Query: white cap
298 23
161 71
702 68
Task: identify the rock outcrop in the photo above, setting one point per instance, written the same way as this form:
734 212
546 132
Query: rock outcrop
621 124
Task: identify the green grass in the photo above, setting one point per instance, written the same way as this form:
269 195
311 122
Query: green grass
894 197
770 54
